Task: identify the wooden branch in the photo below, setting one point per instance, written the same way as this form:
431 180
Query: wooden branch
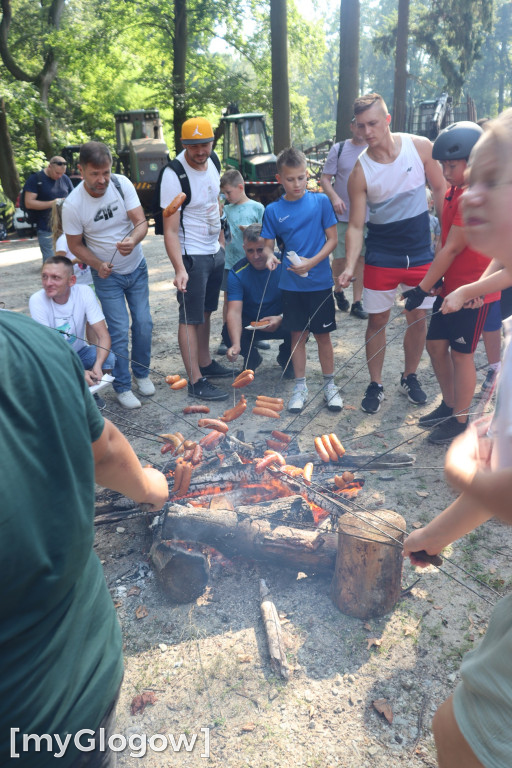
272 625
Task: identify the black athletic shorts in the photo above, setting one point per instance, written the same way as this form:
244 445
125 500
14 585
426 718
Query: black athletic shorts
309 310
204 280
461 329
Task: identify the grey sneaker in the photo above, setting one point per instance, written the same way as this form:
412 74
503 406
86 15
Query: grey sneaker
332 397
298 400
128 400
145 386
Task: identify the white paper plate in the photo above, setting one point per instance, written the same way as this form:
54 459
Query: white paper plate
106 380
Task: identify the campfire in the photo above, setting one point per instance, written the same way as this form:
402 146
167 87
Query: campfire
240 504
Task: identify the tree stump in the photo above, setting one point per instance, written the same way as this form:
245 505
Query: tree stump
367 579
183 573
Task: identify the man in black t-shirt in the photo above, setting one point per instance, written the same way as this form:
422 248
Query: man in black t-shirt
41 189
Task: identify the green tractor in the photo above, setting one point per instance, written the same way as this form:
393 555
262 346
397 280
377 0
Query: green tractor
246 147
141 150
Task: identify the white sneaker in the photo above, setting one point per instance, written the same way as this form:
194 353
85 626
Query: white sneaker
128 400
298 400
145 386
332 397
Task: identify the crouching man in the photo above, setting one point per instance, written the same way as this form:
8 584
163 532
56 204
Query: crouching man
66 306
254 295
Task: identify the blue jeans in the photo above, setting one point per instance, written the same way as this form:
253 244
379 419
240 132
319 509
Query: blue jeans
45 240
88 357
114 293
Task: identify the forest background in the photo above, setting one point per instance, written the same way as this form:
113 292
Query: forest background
68 65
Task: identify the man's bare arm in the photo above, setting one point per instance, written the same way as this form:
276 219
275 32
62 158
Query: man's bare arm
337 203
357 193
32 202
173 249
118 468
139 232
433 171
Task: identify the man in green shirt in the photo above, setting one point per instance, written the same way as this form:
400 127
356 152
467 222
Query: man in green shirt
60 642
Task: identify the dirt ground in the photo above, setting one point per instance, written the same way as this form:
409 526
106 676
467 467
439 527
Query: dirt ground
207 662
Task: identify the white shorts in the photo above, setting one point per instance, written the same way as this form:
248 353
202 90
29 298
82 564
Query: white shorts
382 301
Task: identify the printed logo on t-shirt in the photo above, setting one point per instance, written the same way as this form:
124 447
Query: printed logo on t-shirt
65 327
106 212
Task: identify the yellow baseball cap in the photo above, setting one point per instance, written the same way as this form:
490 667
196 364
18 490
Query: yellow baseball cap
196 130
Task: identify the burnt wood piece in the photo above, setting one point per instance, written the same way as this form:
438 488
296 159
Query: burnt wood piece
354 461
246 532
183 573
368 574
273 633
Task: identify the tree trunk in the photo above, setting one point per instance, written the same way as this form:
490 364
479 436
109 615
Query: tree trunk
179 67
9 178
349 66
399 96
280 88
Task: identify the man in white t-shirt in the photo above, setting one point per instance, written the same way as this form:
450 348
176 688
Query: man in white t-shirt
191 240
104 225
66 306
341 159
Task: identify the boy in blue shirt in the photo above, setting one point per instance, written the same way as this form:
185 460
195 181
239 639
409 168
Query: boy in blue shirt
240 211
306 223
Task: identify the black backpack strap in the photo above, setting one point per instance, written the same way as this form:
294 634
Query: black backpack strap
117 184
340 148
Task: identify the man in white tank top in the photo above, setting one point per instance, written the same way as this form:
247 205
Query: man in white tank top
390 177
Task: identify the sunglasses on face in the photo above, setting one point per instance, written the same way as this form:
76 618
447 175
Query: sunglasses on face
58 162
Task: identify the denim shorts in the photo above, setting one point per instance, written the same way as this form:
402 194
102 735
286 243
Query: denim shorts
205 273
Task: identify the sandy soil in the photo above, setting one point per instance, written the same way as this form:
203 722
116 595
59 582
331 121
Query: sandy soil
207 662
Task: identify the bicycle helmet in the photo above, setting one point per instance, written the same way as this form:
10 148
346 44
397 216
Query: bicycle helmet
456 141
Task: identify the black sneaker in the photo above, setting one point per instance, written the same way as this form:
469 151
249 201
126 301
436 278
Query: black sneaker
206 391
261 344
436 416
101 404
358 311
341 301
447 431
410 386
215 370
373 397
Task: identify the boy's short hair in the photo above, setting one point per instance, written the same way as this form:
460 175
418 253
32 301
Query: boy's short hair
59 260
252 233
291 157
231 178
362 103
96 153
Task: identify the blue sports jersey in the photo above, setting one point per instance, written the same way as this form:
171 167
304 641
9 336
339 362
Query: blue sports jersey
301 224
245 283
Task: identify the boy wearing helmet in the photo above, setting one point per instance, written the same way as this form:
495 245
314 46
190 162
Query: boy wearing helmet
452 338
191 240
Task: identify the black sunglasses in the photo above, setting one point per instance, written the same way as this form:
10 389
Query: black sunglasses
58 162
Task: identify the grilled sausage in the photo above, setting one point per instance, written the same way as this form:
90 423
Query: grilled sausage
173 379
213 424
308 471
186 477
339 482
258 411
276 445
281 436
333 456
265 404
174 205
265 462
166 448
336 444
258 323
347 476
278 400
196 409
198 455
179 384
239 383
178 474
210 441
319 446
233 413
244 373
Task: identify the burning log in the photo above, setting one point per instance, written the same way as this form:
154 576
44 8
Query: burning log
183 572
367 578
272 626
247 532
